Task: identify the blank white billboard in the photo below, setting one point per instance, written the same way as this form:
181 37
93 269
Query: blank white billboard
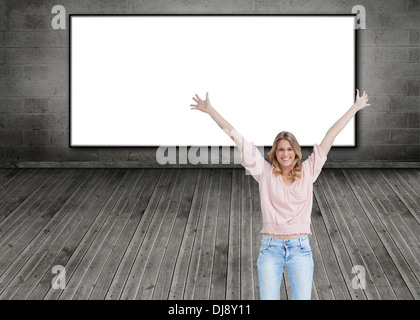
132 78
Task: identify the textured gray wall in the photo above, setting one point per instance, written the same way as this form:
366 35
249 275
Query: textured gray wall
34 108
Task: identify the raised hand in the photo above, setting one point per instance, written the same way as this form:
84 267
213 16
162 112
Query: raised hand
361 101
339 125
202 105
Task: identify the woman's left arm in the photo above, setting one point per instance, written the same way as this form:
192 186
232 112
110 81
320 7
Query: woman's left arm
328 140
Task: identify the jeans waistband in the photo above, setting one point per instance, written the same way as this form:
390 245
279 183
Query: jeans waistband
284 242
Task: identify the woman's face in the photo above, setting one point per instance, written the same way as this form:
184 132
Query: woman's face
285 153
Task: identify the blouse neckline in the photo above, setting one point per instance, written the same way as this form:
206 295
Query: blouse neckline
284 183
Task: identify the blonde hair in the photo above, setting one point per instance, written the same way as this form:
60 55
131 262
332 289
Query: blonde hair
295 173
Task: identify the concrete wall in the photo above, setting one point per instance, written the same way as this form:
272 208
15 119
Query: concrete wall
34 107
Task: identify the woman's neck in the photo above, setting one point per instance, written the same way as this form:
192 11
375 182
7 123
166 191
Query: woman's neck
285 171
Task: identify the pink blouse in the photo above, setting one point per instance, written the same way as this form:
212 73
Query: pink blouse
286 210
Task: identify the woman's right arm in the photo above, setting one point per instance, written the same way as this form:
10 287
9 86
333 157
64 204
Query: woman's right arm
206 107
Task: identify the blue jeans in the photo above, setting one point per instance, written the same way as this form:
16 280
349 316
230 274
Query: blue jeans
296 256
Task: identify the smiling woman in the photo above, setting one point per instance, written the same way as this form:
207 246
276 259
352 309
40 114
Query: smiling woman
285 156
286 192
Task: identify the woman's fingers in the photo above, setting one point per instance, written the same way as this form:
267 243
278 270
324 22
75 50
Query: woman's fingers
364 95
201 105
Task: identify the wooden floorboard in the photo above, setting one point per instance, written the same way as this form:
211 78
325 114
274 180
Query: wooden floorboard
184 263
194 233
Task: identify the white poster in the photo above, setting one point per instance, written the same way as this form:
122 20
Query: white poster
132 78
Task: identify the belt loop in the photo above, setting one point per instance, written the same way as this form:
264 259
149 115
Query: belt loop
300 242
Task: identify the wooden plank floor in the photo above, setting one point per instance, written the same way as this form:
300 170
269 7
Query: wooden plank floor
194 234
